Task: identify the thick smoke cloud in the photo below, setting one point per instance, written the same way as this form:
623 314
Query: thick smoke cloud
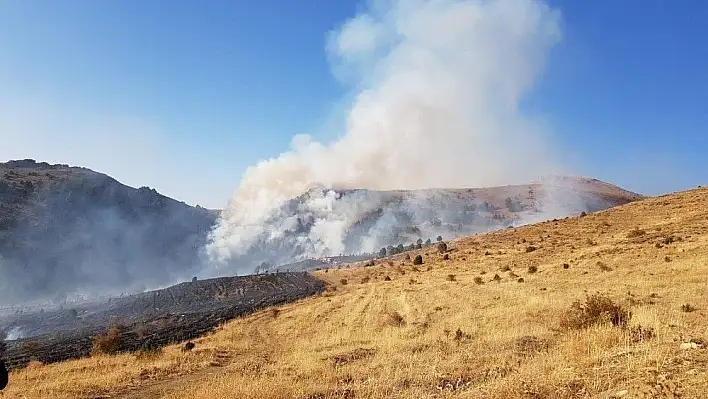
439 85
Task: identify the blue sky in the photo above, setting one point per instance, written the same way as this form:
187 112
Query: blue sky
184 96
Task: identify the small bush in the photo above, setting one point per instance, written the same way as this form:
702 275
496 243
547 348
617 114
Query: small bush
387 278
639 334
496 278
634 233
530 248
274 312
343 281
505 268
451 277
566 266
408 257
442 247
478 280
687 308
107 344
418 260
520 280
446 257
533 269
604 267
396 319
365 280
596 309
461 336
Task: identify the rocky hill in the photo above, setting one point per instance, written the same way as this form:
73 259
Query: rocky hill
68 230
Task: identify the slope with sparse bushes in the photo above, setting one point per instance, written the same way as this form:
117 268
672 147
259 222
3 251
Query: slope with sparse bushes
494 320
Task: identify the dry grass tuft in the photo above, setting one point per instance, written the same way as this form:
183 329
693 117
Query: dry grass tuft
596 310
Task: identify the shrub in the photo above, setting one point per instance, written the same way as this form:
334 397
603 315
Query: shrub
461 336
451 277
533 269
636 233
604 267
530 248
442 247
396 319
343 281
446 257
418 260
387 278
107 344
687 308
408 256
566 266
597 309
639 334
478 280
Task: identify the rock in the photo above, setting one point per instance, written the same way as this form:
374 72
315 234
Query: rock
689 345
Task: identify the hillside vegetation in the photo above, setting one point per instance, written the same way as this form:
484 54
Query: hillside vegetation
492 317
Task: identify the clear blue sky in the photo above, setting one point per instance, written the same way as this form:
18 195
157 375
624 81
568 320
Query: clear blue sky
191 93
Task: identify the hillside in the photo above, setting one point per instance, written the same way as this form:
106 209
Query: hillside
363 221
67 230
495 320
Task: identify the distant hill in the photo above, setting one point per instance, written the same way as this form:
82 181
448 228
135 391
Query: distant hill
67 230
367 220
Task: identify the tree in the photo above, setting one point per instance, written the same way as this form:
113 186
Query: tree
382 252
427 242
439 239
418 260
400 248
419 241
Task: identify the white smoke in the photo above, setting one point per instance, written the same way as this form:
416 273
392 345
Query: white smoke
438 86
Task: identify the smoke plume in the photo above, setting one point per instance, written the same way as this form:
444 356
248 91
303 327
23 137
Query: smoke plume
438 88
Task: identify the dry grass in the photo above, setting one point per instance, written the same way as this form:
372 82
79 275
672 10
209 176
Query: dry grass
434 338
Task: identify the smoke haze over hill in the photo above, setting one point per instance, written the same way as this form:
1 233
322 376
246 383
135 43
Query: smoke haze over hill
438 86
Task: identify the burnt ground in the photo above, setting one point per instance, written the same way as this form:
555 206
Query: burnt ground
151 319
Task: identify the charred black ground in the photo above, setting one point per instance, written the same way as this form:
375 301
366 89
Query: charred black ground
151 319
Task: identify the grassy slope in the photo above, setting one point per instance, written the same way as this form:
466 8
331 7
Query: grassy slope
347 344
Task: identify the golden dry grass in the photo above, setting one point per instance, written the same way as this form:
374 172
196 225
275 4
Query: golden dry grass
422 334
